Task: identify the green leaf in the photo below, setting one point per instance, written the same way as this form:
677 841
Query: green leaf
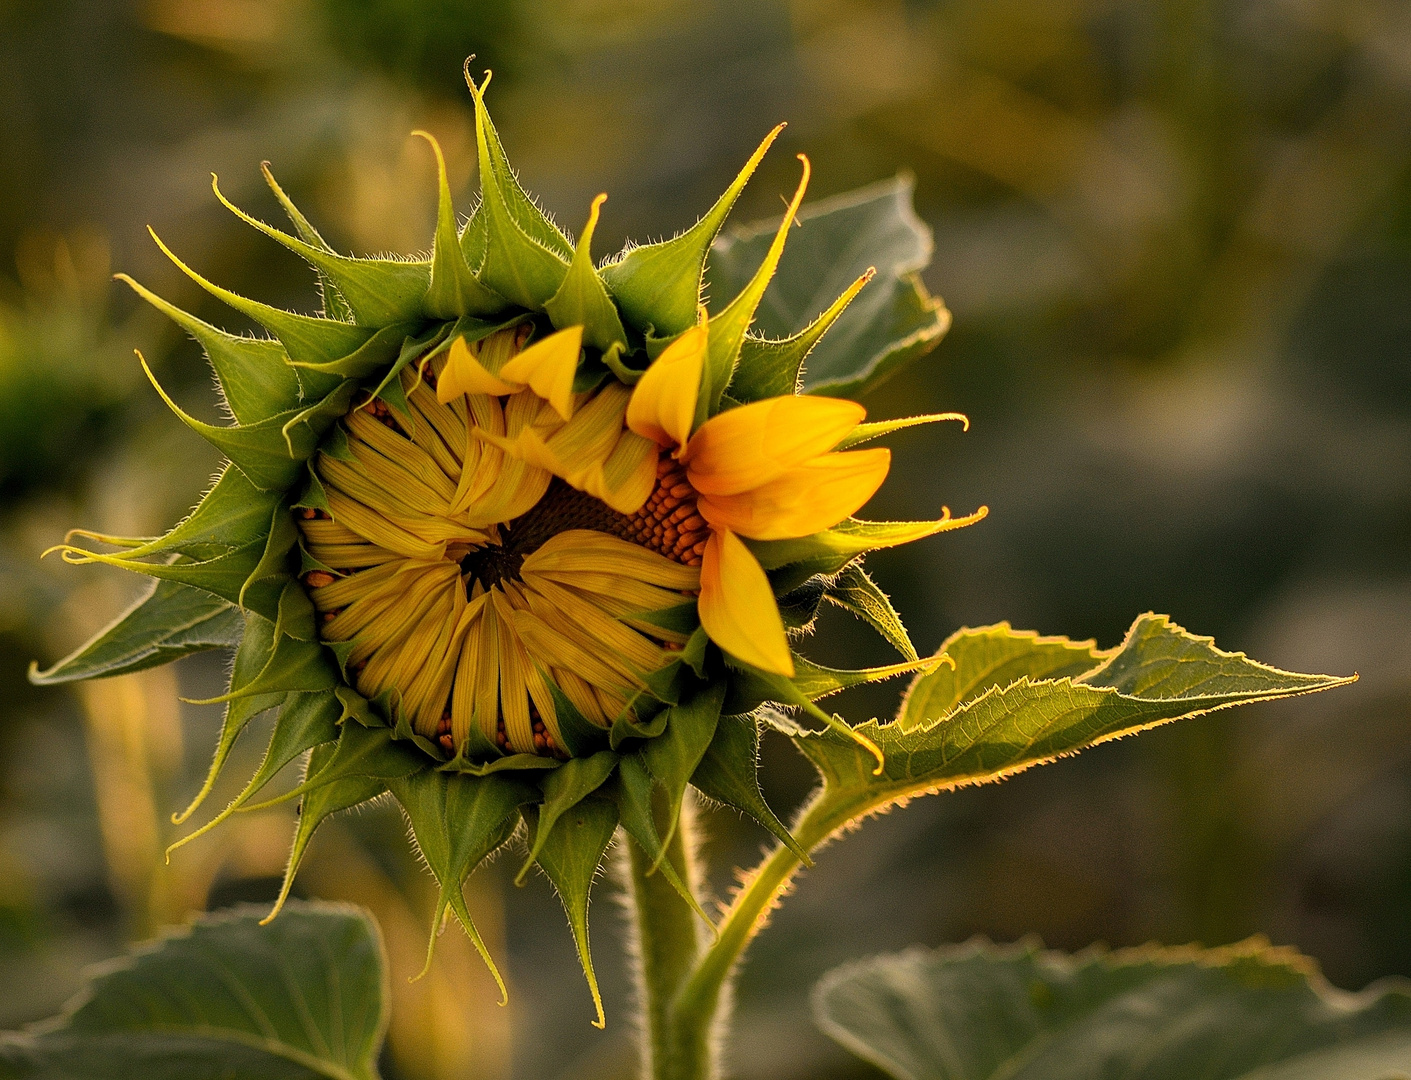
855 591
454 290
984 1012
582 300
171 621
526 256
379 292
729 773
225 997
1159 674
334 306
658 286
565 788
673 756
254 374
306 338
458 821
892 321
571 857
989 657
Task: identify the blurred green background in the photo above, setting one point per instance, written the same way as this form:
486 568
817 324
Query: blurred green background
1176 238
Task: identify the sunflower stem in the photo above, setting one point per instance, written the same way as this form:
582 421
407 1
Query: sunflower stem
668 935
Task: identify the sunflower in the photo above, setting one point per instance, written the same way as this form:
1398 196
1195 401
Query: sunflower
513 537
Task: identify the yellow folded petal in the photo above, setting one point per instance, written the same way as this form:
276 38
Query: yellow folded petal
465 374
663 405
548 367
737 606
743 448
804 500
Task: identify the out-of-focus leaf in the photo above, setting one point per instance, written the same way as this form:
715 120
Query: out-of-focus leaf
301 999
1160 673
985 1012
891 322
171 621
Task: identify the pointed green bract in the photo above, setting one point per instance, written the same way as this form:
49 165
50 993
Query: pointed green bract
565 788
306 338
633 794
371 356
571 857
334 306
815 681
729 773
225 998
379 292
854 590
867 432
172 620
770 368
254 374
1017 1012
658 286
673 756
454 289
360 753
829 551
526 257
458 821
582 300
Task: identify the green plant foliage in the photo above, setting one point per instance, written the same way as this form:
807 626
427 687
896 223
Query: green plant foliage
892 321
1015 699
985 1012
303 998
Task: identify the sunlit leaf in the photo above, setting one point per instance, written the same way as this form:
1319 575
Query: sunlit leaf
985 1012
226 998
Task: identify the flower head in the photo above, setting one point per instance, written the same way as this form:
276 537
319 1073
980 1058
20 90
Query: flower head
507 533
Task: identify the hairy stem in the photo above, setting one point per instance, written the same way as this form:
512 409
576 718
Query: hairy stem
668 943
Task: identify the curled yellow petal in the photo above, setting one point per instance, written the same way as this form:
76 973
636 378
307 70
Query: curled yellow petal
547 367
743 448
663 404
464 374
805 500
737 606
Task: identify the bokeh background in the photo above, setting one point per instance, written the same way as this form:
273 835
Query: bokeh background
1176 238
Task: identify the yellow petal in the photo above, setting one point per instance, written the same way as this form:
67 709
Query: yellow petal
743 448
464 374
737 606
548 367
663 405
802 501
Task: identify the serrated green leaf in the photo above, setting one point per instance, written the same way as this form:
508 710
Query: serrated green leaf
771 367
169 622
989 657
672 757
458 821
730 324
225 997
571 857
254 374
334 306
981 1012
305 720
729 773
892 321
320 802
855 591
379 292
306 338
1007 729
582 299
526 256
454 290
658 286
563 789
